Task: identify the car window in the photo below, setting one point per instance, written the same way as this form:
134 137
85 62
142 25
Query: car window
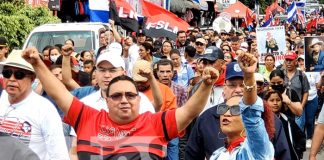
83 40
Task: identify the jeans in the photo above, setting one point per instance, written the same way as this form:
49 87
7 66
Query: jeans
310 112
300 121
173 149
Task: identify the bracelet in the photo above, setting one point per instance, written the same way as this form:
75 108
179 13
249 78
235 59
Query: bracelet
248 88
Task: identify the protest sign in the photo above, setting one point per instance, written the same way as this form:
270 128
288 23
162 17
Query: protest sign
314 53
271 40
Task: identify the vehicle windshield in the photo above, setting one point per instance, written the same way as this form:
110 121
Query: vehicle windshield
83 40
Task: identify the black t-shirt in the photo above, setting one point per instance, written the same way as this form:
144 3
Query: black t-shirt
292 94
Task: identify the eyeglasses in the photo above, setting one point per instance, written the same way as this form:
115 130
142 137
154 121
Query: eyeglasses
119 95
18 74
260 83
228 57
199 44
223 108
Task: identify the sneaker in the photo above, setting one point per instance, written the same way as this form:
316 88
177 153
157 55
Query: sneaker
308 143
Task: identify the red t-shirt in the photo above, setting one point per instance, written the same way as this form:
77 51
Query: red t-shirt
221 80
98 135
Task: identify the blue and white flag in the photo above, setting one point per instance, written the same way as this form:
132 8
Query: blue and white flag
268 22
99 10
291 12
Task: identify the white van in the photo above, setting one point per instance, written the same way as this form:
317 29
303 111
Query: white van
84 35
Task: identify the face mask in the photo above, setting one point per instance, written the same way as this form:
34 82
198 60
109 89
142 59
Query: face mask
280 88
54 58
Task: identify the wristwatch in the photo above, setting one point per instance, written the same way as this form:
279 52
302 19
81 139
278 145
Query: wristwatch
249 88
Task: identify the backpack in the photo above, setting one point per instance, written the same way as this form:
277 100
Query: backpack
297 137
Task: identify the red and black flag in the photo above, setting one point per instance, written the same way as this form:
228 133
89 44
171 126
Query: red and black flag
124 15
160 22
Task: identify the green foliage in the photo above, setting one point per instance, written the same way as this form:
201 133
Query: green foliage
263 4
18 19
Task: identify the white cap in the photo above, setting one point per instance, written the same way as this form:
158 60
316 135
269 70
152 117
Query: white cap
115 60
258 77
115 48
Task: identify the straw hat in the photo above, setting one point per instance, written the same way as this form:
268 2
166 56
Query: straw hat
15 60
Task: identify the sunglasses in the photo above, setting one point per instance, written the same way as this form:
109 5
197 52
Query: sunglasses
18 74
199 44
119 96
223 108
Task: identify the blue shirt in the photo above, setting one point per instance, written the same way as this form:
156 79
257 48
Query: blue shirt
206 137
84 91
320 63
182 78
257 144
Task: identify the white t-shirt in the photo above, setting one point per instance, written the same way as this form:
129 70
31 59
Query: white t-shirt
96 101
313 78
36 122
215 98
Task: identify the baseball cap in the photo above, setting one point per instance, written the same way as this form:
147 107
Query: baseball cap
212 53
301 57
115 48
291 55
233 70
140 65
258 77
115 60
140 33
15 60
3 41
201 40
223 31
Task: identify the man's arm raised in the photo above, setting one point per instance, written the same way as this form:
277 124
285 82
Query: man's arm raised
53 87
197 102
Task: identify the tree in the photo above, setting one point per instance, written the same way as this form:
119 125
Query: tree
263 4
17 20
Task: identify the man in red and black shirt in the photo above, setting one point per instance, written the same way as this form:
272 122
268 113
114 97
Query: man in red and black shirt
123 132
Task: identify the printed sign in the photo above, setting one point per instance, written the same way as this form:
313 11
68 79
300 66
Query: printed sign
314 53
271 40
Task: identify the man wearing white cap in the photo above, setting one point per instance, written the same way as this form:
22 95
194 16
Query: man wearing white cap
108 66
317 55
26 115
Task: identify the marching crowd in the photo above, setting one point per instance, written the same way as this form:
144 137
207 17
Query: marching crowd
203 96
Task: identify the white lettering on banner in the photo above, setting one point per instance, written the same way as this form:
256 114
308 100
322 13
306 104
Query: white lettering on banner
131 14
162 25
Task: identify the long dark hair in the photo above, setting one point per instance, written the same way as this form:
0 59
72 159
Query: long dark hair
148 47
277 72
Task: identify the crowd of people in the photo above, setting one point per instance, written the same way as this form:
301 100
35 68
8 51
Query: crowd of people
203 96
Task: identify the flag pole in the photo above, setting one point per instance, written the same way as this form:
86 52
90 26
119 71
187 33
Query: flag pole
257 12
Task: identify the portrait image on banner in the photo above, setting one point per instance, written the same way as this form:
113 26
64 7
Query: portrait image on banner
314 53
271 40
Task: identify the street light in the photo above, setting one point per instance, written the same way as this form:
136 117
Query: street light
237 11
